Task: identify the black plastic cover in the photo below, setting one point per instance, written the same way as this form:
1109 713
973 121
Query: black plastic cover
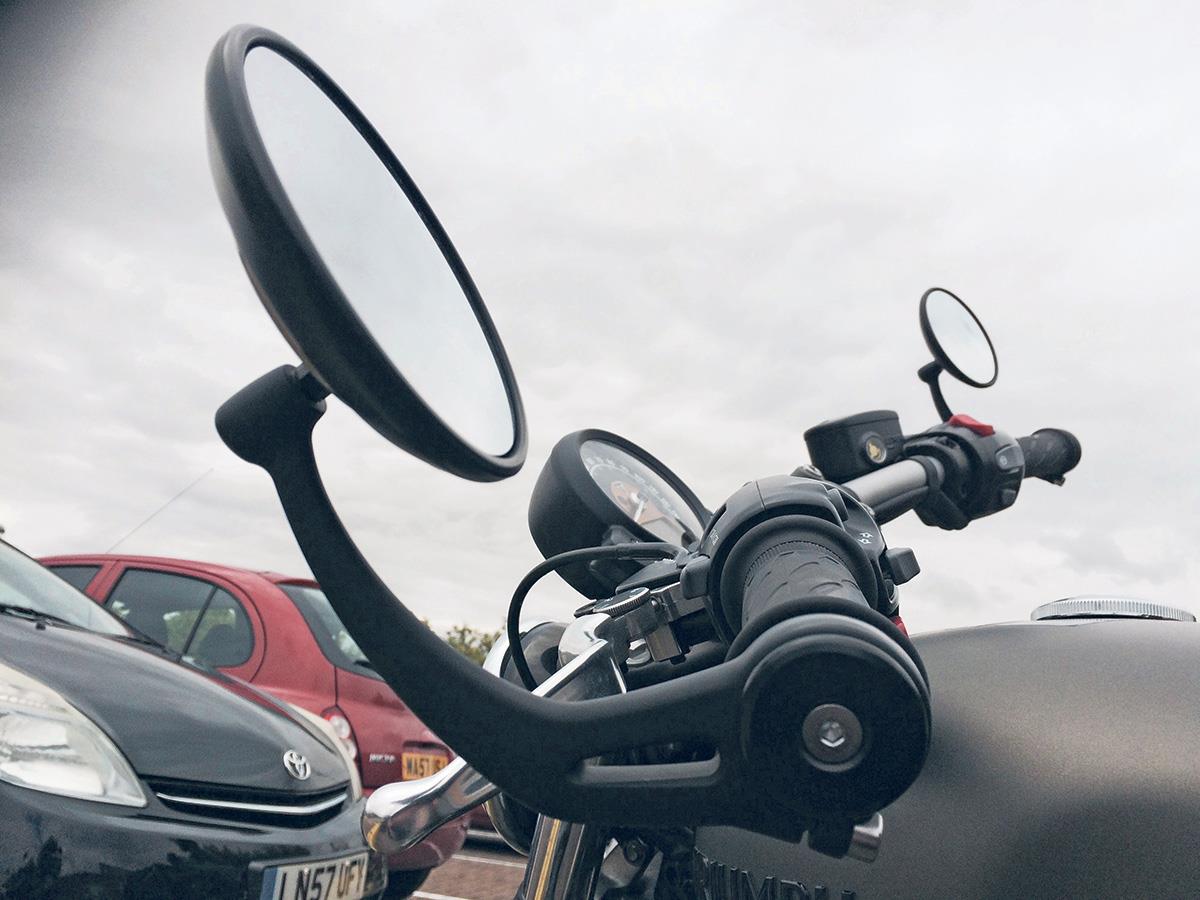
847 448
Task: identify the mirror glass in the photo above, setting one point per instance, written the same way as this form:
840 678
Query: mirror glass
380 252
962 346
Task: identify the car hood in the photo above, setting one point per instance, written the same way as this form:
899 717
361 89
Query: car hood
170 719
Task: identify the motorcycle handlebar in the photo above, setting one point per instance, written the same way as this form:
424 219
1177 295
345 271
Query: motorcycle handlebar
895 489
1050 453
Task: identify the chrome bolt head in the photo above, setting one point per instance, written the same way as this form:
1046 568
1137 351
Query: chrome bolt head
831 733
833 736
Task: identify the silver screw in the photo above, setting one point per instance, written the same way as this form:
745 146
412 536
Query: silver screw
832 735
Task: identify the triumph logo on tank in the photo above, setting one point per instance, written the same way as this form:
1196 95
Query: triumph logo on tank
721 882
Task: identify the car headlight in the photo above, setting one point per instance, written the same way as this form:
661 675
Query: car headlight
46 744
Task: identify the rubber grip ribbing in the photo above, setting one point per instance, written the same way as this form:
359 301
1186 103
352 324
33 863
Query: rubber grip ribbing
793 570
1050 453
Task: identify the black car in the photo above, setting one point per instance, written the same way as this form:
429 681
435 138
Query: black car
127 772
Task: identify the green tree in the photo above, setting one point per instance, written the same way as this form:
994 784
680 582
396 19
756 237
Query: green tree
471 642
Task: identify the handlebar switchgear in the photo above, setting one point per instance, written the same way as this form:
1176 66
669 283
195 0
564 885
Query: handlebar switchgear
980 469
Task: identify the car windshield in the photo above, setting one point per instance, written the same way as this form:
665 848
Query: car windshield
332 637
25 584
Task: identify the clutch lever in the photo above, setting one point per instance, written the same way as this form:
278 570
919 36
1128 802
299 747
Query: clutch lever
400 815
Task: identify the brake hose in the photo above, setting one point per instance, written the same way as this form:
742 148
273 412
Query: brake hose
648 550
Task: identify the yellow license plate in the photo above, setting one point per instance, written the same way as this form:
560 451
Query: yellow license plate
422 765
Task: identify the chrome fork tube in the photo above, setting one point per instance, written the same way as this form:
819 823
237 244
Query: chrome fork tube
564 861
565 857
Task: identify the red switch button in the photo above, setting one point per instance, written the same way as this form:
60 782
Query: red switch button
971 424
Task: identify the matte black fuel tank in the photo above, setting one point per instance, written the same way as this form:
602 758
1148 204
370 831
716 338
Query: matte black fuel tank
1065 763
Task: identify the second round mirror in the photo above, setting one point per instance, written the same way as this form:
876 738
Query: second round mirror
957 339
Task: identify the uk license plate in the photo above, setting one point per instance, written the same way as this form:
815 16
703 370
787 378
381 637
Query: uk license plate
422 765
344 878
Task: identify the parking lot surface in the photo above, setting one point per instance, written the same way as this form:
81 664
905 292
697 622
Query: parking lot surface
483 870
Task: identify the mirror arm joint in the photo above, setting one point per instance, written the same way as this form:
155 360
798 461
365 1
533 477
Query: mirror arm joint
264 421
310 382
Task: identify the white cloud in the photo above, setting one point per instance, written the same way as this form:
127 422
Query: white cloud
703 226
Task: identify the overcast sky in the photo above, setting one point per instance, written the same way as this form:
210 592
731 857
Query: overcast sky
703 226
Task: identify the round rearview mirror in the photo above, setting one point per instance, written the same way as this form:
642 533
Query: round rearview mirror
352 264
956 338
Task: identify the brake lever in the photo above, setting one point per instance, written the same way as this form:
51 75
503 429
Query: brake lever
400 815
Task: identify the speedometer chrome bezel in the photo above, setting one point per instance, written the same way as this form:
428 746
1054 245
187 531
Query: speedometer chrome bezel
569 510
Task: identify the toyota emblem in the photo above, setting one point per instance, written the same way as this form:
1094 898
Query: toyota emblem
296 765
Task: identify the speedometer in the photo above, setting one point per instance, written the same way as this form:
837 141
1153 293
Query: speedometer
642 492
598 488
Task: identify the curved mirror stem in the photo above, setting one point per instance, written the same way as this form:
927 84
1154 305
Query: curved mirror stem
929 373
269 423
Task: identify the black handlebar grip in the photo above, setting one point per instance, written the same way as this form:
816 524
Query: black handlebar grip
1050 453
792 570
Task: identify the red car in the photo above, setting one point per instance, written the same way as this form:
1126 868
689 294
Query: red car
282 635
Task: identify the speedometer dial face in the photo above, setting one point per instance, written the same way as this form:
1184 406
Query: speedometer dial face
641 493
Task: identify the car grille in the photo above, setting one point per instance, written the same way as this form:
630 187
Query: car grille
251 805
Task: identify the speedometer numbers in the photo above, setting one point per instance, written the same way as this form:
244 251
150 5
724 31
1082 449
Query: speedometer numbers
641 493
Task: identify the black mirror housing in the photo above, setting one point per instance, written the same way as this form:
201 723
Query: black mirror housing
959 344
301 294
